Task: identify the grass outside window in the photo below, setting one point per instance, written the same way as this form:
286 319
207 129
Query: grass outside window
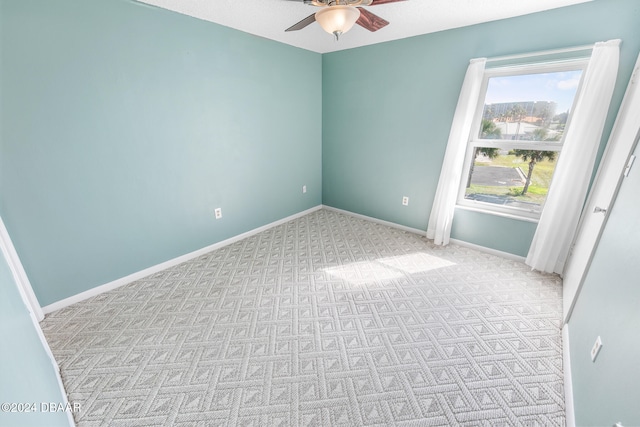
512 191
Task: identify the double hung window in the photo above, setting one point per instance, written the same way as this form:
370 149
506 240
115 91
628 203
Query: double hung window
517 136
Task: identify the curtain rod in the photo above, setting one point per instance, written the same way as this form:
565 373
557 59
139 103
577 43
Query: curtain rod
541 53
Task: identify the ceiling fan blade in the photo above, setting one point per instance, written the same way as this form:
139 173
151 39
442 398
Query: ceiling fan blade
370 21
300 25
377 2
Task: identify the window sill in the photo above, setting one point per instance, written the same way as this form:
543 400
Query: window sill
496 213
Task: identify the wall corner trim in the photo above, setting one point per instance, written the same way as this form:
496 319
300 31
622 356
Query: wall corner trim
19 275
167 264
36 313
570 420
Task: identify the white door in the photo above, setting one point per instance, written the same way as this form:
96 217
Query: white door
615 160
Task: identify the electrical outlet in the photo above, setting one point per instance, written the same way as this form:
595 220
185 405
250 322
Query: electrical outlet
596 349
304 188
405 201
218 213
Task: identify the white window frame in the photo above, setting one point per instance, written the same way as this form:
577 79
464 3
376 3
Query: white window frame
476 142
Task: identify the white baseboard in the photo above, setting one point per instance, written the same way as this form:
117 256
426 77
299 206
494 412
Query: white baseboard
175 261
570 417
488 250
167 264
379 221
424 233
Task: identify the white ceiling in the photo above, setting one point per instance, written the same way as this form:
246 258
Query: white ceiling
269 18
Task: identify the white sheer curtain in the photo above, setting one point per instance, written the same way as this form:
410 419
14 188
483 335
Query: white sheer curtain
559 219
439 228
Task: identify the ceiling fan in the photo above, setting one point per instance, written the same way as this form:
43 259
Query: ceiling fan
338 16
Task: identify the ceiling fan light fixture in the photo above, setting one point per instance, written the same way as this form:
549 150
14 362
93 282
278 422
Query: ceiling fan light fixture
337 19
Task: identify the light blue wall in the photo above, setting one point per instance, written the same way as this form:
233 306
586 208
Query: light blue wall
26 372
124 126
608 390
387 111
506 234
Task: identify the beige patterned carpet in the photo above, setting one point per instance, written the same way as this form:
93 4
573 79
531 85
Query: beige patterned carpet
326 320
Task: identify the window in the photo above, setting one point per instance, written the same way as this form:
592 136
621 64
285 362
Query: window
517 137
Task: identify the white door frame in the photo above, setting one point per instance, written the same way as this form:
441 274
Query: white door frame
19 275
33 307
620 148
